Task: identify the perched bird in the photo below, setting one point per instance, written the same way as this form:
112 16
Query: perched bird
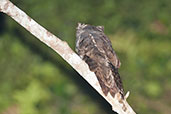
94 47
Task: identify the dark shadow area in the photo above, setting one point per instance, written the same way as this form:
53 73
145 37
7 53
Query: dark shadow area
2 23
72 74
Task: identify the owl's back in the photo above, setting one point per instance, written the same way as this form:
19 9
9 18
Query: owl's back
93 46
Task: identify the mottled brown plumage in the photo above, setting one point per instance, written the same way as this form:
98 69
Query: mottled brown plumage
93 46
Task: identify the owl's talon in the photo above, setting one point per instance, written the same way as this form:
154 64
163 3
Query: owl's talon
127 95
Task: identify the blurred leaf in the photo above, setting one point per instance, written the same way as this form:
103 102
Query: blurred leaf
29 97
153 89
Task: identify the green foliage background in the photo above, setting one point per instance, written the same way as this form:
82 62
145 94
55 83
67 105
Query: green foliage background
35 80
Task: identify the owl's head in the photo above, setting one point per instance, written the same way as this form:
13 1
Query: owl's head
88 28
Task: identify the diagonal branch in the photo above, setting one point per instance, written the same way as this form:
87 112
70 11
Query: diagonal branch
62 48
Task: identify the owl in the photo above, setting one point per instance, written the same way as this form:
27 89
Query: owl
94 47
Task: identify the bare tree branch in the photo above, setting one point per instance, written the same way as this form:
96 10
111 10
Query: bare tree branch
62 48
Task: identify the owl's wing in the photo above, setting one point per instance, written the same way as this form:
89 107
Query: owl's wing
107 75
97 63
105 46
108 64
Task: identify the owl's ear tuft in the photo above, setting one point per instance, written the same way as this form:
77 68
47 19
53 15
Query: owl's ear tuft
81 26
101 28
